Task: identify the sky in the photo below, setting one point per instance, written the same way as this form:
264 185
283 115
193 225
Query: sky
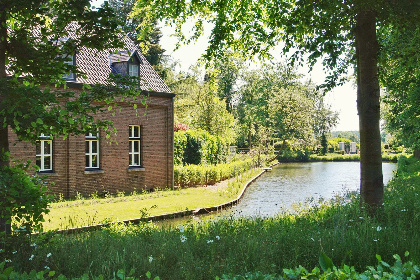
342 99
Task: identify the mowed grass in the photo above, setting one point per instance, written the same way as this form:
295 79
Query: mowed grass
85 212
340 229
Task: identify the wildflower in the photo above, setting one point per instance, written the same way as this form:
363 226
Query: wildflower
8 260
14 252
33 245
49 255
404 210
181 229
361 218
217 237
183 238
1 250
312 239
32 257
379 228
150 259
375 240
209 241
47 267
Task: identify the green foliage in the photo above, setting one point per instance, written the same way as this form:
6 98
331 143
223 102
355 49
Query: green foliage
23 198
401 78
199 106
193 175
199 147
240 247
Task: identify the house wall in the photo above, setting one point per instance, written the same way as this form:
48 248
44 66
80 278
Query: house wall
69 175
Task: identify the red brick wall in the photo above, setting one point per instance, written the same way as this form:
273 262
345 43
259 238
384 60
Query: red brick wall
69 176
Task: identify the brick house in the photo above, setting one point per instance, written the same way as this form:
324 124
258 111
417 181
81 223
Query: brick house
140 154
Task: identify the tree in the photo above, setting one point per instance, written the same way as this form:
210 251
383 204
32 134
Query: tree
151 36
36 40
400 75
199 106
342 33
291 114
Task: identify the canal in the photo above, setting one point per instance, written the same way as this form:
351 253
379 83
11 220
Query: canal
290 184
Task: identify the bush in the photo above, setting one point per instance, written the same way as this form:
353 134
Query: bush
198 147
24 198
193 175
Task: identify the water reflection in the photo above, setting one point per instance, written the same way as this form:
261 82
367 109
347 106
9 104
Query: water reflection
293 183
290 184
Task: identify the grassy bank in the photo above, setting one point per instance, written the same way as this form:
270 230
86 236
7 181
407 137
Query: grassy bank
95 210
387 157
238 246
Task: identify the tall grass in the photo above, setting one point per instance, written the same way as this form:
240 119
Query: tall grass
338 228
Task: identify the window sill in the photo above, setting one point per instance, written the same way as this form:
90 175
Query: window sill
98 171
46 173
136 169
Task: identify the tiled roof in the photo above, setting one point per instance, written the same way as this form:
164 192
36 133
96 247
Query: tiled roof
97 66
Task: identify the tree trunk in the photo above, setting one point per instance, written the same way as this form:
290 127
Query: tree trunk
368 93
4 136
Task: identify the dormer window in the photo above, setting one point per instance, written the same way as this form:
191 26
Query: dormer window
70 60
133 69
126 63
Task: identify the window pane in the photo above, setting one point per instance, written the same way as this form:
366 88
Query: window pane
38 147
47 146
136 146
38 161
130 161
95 161
130 146
87 161
136 159
137 131
47 163
94 147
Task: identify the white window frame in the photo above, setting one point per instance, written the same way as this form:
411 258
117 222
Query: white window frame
91 141
134 141
43 155
133 69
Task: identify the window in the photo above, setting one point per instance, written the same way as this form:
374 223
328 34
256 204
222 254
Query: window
44 153
134 145
92 150
70 61
133 69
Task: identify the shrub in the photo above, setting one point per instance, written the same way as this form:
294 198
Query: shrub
193 175
24 198
198 147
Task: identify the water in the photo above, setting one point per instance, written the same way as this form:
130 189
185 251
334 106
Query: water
289 184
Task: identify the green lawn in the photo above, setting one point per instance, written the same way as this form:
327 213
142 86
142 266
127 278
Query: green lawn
92 211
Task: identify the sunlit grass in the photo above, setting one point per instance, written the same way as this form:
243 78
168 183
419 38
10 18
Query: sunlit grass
231 246
84 212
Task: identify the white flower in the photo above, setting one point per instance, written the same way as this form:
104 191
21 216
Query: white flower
33 245
46 267
183 238
379 228
49 255
312 239
181 229
209 241
217 237
375 240
8 261
32 257
150 259
14 252
404 210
